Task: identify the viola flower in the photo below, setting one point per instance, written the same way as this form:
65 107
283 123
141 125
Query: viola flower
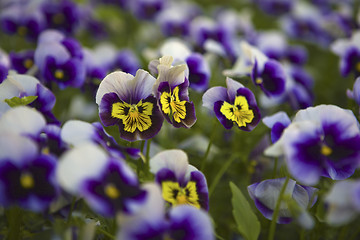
126 61
180 182
25 20
63 15
171 90
60 60
75 132
146 9
349 52
21 85
234 105
27 178
343 201
277 122
151 221
22 61
126 101
297 54
276 7
107 184
321 141
266 193
355 93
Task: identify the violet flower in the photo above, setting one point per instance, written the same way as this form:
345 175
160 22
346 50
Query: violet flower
22 61
321 141
180 182
126 101
234 105
266 193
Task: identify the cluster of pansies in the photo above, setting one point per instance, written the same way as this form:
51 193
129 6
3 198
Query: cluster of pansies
129 119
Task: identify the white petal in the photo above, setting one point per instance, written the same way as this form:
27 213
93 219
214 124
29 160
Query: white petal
16 147
281 117
232 87
175 160
176 48
78 164
22 120
75 132
116 82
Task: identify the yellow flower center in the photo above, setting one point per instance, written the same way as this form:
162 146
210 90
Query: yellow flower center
26 180
176 195
325 150
258 81
135 116
172 106
239 112
357 66
28 63
59 74
111 191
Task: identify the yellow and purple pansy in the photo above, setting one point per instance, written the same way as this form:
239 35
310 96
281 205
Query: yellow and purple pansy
172 93
127 101
180 182
235 104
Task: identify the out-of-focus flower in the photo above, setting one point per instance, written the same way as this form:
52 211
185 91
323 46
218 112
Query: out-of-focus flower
151 221
75 132
106 183
343 202
147 9
180 182
60 59
171 90
126 61
25 20
63 15
22 61
349 52
321 141
266 194
4 65
21 85
126 101
275 7
235 104
27 178
277 122
355 93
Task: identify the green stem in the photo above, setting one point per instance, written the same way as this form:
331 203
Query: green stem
276 211
14 221
203 162
105 233
220 174
147 158
71 210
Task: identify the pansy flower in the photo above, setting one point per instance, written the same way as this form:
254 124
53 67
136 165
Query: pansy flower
234 105
277 122
171 90
126 101
60 59
321 141
27 178
151 221
266 193
75 132
4 65
180 182
107 184
22 61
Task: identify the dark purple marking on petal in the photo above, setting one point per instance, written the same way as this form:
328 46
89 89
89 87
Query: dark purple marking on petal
223 120
105 109
201 188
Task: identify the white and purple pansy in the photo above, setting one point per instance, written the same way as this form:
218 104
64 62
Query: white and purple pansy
180 182
277 122
21 85
266 193
234 105
27 177
4 65
182 222
22 61
171 90
127 101
60 60
106 183
349 52
321 141
76 132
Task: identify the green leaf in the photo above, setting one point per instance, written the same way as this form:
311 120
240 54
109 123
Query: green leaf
246 220
15 101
